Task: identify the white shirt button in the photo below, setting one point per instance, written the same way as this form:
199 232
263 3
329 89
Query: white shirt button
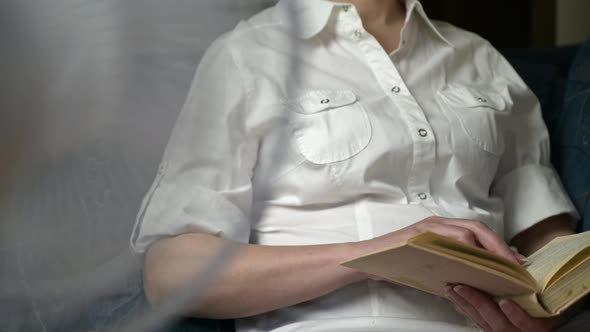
358 34
396 89
423 196
345 8
423 132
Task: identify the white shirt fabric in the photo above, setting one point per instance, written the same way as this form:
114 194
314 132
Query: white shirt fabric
368 143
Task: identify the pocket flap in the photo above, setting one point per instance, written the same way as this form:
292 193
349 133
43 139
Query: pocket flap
321 100
473 96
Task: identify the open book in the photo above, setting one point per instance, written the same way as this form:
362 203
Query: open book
553 278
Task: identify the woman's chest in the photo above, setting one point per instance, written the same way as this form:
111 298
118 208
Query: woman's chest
357 129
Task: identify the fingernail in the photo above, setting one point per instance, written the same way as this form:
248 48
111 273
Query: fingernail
504 305
457 289
521 258
448 289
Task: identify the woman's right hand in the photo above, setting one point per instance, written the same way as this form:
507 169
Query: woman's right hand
471 232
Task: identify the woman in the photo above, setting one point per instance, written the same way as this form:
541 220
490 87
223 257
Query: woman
395 125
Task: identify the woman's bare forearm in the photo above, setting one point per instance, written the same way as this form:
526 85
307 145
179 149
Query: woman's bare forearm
256 280
542 233
263 278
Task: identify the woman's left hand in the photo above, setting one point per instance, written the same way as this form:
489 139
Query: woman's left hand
493 317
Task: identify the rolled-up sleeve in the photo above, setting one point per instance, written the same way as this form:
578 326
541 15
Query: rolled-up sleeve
204 181
526 181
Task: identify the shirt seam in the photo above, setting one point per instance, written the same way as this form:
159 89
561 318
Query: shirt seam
242 74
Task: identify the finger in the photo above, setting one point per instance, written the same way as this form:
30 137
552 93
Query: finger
486 237
521 319
455 232
521 258
467 309
486 307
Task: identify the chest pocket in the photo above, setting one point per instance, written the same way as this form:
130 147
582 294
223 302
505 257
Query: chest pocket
329 125
479 111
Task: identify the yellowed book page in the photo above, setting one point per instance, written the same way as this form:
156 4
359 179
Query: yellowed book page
570 289
530 303
431 271
473 254
572 264
543 264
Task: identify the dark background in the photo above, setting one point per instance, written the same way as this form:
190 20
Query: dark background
505 23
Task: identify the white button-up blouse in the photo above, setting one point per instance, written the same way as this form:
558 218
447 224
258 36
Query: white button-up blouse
356 144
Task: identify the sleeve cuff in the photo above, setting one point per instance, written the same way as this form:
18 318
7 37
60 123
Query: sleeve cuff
194 210
531 194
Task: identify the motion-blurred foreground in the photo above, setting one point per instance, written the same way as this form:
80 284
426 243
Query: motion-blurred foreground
89 91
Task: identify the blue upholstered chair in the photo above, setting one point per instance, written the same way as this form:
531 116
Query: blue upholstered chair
560 77
573 136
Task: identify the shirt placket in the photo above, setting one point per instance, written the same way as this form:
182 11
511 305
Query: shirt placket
422 135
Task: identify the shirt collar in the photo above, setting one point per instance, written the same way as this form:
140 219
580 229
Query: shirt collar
315 14
415 6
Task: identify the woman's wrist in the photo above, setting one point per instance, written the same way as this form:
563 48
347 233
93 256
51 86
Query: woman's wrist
349 251
356 249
